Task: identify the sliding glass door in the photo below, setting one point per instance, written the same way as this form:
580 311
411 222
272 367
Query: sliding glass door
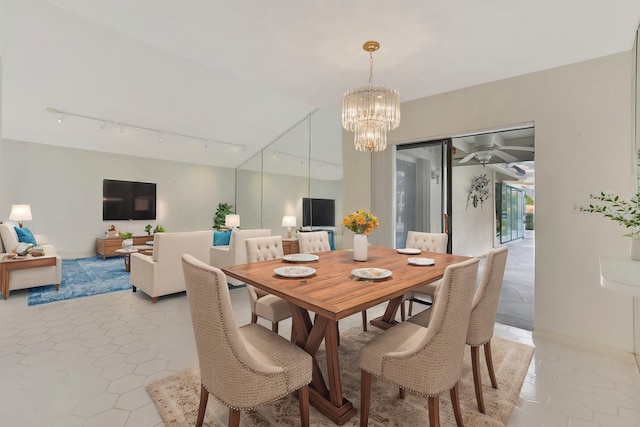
423 190
510 209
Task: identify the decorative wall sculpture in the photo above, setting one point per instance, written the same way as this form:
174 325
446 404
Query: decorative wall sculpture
478 191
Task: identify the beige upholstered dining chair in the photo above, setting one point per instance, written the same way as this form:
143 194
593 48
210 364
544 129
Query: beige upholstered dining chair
429 242
244 367
263 304
314 241
482 319
426 361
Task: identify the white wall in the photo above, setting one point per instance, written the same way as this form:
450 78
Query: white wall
583 116
64 188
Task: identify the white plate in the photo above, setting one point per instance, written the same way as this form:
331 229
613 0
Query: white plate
371 273
409 251
421 261
294 271
300 257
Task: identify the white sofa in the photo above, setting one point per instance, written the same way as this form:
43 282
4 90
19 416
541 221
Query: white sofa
236 252
30 277
161 274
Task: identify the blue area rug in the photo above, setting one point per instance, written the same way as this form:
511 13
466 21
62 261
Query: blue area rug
84 277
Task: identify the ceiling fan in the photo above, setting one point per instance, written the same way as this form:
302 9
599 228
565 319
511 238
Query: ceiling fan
487 149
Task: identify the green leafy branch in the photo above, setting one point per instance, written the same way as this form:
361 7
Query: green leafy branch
624 212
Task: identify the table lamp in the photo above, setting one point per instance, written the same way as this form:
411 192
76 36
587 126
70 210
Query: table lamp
232 221
288 221
20 213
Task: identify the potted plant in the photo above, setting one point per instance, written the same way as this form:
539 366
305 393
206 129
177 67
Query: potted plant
159 229
127 240
148 229
223 210
624 212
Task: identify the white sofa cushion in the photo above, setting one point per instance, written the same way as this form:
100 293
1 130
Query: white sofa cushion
9 237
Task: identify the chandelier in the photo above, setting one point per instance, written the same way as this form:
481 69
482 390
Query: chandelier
371 111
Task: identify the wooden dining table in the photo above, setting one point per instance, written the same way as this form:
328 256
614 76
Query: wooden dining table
334 293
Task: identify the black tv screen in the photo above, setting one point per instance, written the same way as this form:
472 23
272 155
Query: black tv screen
125 200
318 212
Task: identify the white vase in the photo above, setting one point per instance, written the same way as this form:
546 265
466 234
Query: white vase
127 243
360 245
635 248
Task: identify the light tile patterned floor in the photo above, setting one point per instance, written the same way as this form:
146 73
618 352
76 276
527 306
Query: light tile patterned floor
85 362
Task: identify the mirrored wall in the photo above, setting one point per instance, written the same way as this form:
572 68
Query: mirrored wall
303 162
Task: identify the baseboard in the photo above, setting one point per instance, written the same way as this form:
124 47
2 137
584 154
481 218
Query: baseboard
584 345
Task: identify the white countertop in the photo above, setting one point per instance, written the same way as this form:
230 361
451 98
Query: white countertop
620 273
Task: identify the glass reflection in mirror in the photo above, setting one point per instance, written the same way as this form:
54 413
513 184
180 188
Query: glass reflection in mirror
305 161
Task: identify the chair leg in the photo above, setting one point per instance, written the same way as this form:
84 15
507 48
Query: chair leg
364 320
365 397
402 313
434 411
254 318
402 393
492 373
410 307
477 377
204 398
455 402
234 418
274 327
303 402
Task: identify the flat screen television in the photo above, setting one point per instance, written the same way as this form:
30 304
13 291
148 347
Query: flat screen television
318 212
128 200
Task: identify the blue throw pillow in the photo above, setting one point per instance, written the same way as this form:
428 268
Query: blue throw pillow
25 235
221 238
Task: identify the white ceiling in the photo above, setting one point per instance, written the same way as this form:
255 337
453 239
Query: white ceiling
243 72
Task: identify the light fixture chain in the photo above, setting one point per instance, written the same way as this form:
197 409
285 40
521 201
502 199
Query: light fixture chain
370 66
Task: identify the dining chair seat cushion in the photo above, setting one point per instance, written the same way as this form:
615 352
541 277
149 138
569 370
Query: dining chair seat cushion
423 318
288 365
430 289
399 346
272 308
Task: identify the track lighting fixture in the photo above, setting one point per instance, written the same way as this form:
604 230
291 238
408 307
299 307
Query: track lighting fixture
161 133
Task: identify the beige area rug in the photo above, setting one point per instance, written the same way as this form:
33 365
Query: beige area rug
177 397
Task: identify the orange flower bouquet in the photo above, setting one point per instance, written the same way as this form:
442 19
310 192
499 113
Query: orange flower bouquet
360 222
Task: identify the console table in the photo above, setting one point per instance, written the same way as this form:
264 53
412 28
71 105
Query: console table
106 246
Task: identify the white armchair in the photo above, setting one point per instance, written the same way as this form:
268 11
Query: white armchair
236 252
31 277
161 273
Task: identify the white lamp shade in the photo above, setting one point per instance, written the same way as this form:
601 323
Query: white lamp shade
288 221
232 221
20 213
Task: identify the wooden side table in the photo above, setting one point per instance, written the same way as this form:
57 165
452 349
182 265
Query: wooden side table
126 253
7 265
290 246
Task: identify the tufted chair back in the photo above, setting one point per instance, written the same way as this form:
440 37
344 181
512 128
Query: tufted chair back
263 304
314 241
264 248
430 242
